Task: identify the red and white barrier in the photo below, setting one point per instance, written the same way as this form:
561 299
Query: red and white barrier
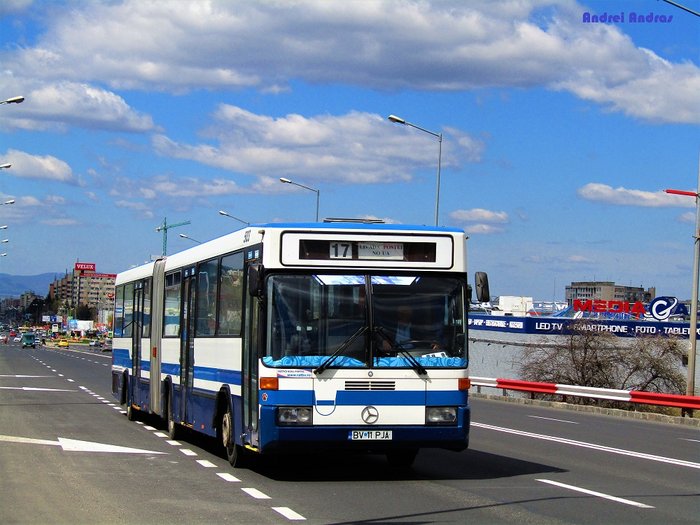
628 396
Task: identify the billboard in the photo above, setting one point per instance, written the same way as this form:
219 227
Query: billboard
84 267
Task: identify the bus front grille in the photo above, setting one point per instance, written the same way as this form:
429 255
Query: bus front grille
370 385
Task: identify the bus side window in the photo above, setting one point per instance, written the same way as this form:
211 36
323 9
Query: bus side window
171 312
231 295
128 309
207 293
119 311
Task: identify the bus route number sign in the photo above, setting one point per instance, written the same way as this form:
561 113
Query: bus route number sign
367 250
370 435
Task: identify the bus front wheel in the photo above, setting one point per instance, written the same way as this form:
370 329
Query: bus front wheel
234 452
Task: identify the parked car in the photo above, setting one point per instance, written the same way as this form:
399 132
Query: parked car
17 339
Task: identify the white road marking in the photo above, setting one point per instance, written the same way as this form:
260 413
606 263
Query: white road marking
22 376
289 513
228 477
597 494
557 420
583 444
35 389
206 463
160 434
255 493
188 452
74 445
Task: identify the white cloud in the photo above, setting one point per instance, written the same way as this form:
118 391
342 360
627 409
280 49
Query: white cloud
620 196
357 148
480 215
479 221
440 46
483 229
48 167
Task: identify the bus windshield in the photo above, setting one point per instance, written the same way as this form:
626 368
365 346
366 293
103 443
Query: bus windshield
356 320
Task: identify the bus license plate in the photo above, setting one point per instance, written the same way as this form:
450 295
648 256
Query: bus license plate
370 435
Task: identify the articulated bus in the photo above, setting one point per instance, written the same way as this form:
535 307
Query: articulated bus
281 337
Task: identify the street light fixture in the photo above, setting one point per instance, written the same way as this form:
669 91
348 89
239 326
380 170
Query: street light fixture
227 214
399 120
693 335
4 241
13 100
190 238
11 201
5 166
318 192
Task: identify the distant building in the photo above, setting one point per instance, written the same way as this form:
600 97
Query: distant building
608 291
83 287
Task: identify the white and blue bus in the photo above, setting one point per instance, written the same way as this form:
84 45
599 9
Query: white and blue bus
334 335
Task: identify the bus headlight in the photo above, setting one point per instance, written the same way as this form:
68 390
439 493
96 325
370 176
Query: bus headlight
440 415
295 416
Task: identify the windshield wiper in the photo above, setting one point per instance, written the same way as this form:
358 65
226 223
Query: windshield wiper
340 350
401 350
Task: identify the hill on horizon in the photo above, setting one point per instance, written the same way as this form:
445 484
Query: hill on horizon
16 285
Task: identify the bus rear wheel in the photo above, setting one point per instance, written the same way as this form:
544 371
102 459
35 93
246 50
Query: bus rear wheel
173 427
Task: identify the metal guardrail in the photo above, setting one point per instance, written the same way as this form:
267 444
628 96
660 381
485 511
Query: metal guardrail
627 396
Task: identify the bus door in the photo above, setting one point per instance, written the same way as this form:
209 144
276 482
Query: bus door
155 331
187 321
136 339
251 344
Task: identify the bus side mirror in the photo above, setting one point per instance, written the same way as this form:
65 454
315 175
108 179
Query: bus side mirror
255 280
481 281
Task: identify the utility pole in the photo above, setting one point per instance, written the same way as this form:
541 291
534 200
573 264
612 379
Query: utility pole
164 228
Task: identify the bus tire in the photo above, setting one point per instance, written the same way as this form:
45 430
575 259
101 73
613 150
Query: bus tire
402 458
130 412
234 452
173 428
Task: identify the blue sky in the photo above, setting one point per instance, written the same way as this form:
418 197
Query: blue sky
559 135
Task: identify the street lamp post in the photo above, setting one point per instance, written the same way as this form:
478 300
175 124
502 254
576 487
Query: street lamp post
399 120
227 214
318 192
190 238
693 335
13 100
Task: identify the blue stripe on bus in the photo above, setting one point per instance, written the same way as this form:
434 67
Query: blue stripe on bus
355 398
120 357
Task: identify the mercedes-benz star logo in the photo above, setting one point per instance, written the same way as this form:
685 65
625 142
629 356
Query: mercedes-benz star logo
370 415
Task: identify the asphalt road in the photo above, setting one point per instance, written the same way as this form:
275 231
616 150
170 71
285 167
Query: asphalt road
69 455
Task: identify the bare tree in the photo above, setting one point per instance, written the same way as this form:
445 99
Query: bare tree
584 356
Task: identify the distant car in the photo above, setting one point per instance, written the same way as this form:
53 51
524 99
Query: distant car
28 339
17 339
63 344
